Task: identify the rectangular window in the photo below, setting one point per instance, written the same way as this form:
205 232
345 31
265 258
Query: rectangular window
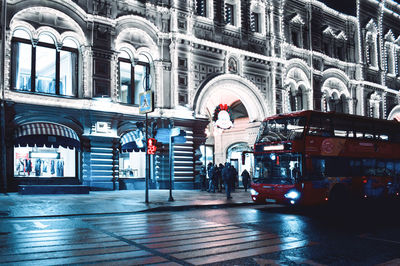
21 66
295 38
339 52
43 69
255 22
45 79
126 90
132 81
229 14
201 8
140 81
68 77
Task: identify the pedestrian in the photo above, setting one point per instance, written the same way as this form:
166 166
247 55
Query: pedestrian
203 178
208 181
295 172
234 177
211 181
245 179
220 182
226 177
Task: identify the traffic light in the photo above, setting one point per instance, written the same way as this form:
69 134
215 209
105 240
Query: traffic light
151 146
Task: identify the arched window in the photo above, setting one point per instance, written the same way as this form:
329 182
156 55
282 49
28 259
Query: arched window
375 105
335 102
38 66
389 58
370 44
296 99
134 77
296 25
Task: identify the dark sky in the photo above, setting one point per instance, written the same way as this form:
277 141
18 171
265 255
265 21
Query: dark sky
344 6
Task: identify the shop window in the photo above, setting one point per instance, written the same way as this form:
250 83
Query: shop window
43 68
44 162
132 164
132 80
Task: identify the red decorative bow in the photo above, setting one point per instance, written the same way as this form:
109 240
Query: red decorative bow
223 107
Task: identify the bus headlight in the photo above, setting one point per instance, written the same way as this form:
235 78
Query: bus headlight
292 194
253 192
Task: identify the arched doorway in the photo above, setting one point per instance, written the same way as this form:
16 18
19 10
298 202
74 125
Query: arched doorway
247 109
234 156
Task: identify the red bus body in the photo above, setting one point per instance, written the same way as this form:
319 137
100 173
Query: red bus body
314 157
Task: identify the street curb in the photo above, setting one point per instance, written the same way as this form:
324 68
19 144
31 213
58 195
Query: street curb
155 209
190 207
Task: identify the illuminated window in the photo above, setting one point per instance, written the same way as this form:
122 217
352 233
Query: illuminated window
390 58
229 14
42 68
201 8
255 22
132 80
371 50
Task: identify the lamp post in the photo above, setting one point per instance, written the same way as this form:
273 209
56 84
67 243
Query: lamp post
170 161
2 103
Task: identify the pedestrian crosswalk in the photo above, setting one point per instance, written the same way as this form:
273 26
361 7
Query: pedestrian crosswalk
140 239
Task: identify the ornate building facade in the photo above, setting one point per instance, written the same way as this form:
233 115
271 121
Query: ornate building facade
73 71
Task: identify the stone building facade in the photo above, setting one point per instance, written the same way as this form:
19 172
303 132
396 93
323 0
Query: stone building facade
76 67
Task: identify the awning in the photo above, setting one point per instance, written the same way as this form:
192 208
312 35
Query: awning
133 141
46 134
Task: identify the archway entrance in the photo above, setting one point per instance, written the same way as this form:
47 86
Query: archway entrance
247 109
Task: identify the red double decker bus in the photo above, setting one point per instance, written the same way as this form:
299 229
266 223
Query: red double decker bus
312 157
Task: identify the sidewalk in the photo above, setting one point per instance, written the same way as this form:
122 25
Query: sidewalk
14 205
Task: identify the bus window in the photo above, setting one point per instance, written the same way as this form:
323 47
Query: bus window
317 170
337 166
384 137
369 167
283 129
355 167
380 168
320 125
397 168
278 168
342 127
390 168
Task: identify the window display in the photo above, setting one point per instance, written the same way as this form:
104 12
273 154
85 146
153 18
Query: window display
132 165
44 162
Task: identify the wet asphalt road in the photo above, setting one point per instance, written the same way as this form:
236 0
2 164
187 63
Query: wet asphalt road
259 235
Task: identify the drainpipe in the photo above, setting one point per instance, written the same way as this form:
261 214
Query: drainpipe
2 111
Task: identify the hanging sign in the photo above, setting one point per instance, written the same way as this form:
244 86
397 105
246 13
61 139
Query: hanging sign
223 117
146 102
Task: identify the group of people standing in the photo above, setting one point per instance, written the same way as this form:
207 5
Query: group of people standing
223 176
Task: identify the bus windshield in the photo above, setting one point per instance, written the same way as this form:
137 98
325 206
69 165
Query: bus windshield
273 168
289 128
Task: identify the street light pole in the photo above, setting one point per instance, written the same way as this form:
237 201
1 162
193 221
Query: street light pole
3 102
171 164
147 164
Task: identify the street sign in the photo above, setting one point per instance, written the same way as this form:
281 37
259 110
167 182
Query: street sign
162 135
178 135
175 131
146 102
